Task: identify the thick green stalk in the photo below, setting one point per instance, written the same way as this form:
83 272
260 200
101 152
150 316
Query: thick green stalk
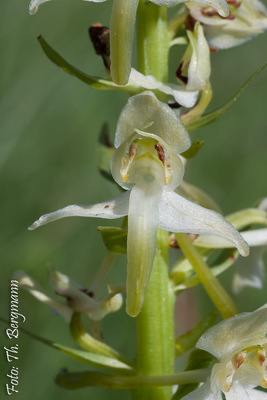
152 40
214 289
155 327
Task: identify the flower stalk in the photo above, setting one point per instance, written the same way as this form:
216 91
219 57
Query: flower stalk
214 289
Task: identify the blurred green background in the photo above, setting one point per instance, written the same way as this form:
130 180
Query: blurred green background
49 124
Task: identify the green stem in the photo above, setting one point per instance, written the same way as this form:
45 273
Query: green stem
102 271
175 23
200 107
152 40
214 289
155 327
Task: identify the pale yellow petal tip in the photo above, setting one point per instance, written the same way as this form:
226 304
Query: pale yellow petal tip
34 5
33 226
133 307
223 9
245 250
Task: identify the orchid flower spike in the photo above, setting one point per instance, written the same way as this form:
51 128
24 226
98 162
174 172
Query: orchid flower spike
194 69
78 298
247 19
148 139
122 24
240 345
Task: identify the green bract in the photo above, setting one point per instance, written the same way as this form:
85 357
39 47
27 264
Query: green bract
149 139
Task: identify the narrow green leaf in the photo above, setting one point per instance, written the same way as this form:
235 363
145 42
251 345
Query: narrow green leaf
98 83
93 359
115 239
193 150
88 343
198 359
212 117
105 151
77 380
188 340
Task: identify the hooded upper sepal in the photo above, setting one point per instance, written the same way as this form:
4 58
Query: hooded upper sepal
235 334
144 108
177 214
121 39
111 209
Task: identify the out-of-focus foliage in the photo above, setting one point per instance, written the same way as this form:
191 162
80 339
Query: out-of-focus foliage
49 125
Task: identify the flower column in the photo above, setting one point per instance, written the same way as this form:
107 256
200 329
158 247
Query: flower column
155 327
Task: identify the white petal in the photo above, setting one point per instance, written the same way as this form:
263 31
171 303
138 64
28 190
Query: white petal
263 204
249 271
199 68
256 237
232 335
220 5
204 393
237 392
145 108
181 95
28 283
111 209
198 196
34 4
76 294
255 394
110 302
226 37
141 242
177 214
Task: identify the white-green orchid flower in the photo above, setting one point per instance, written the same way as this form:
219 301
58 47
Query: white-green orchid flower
78 298
240 345
194 69
247 19
146 163
122 30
